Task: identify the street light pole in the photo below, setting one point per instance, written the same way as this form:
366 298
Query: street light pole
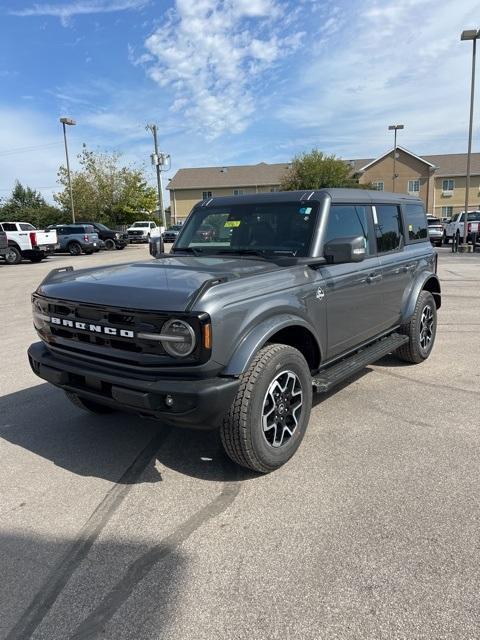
469 34
158 159
395 128
70 122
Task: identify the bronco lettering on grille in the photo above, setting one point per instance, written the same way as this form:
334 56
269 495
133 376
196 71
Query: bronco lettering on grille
93 328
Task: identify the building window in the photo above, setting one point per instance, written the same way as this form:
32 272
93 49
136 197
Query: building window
378 185
238 192
206 195
448 185
447 212
274 189
413 186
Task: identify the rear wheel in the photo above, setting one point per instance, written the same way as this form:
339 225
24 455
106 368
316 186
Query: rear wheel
421 330
269 416
88 405
74 249
109 244
13 256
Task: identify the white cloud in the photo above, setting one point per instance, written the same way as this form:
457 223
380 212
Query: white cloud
212 54
388 61
66 11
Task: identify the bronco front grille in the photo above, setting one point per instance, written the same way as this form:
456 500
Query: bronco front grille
88 329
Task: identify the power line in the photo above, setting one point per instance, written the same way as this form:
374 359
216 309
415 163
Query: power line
7 152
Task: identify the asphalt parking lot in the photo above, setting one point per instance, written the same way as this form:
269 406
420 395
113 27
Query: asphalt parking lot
119 528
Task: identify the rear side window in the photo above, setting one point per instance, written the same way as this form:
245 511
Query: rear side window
9 226
24 226
347 221
416 222
388 227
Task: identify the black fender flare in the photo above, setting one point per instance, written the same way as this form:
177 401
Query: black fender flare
428 281
258 336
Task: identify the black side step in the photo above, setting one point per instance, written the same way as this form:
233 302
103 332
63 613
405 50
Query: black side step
349 366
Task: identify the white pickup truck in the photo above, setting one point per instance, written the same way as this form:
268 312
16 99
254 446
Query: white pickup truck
455 228
24 241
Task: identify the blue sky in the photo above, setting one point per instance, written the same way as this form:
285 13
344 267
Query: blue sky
229 82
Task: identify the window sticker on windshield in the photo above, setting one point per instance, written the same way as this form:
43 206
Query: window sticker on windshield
232 224
305 211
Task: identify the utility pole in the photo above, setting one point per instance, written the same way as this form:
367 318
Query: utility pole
160 160
70 122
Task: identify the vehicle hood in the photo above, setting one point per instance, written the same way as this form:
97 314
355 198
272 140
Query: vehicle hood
165 284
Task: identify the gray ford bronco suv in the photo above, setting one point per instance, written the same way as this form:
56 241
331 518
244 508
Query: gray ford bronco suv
291 294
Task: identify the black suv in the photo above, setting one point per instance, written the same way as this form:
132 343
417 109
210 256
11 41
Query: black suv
111 239
290 294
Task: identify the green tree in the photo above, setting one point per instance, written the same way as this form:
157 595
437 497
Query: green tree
316 170
28 205
105 191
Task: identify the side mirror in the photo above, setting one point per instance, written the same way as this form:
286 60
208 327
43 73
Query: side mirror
345 250
156 246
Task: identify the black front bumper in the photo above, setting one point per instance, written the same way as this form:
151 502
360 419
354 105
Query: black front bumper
197 403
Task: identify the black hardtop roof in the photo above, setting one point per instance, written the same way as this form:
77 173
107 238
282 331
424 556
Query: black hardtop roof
359 196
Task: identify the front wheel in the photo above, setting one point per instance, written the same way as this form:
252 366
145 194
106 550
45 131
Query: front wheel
421 330
109 244
269 416
87 405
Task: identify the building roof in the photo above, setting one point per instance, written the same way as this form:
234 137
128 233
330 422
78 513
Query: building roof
420 158
448 165
228 176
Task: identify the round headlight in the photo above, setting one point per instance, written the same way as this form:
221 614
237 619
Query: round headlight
178 338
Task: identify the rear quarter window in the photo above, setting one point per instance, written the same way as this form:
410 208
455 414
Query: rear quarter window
416 223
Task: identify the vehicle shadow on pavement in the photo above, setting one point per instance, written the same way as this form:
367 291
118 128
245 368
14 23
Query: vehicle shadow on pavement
118 447
43 591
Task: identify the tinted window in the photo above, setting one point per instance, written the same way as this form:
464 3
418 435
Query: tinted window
9 226
347 221
280 227
474 217
388 228
24 226
416 222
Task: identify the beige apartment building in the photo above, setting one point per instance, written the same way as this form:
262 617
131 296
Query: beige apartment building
439 180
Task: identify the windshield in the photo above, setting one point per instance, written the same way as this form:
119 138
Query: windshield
273 227
175 227
140 224
102 226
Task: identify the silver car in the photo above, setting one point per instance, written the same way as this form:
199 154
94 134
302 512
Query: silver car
435 230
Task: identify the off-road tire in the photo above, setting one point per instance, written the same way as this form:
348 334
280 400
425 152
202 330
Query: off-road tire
88 405
109 244
412 350
241 433
13 256
74 248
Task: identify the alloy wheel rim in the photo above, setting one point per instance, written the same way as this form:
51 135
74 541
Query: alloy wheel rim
282 408
426 328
